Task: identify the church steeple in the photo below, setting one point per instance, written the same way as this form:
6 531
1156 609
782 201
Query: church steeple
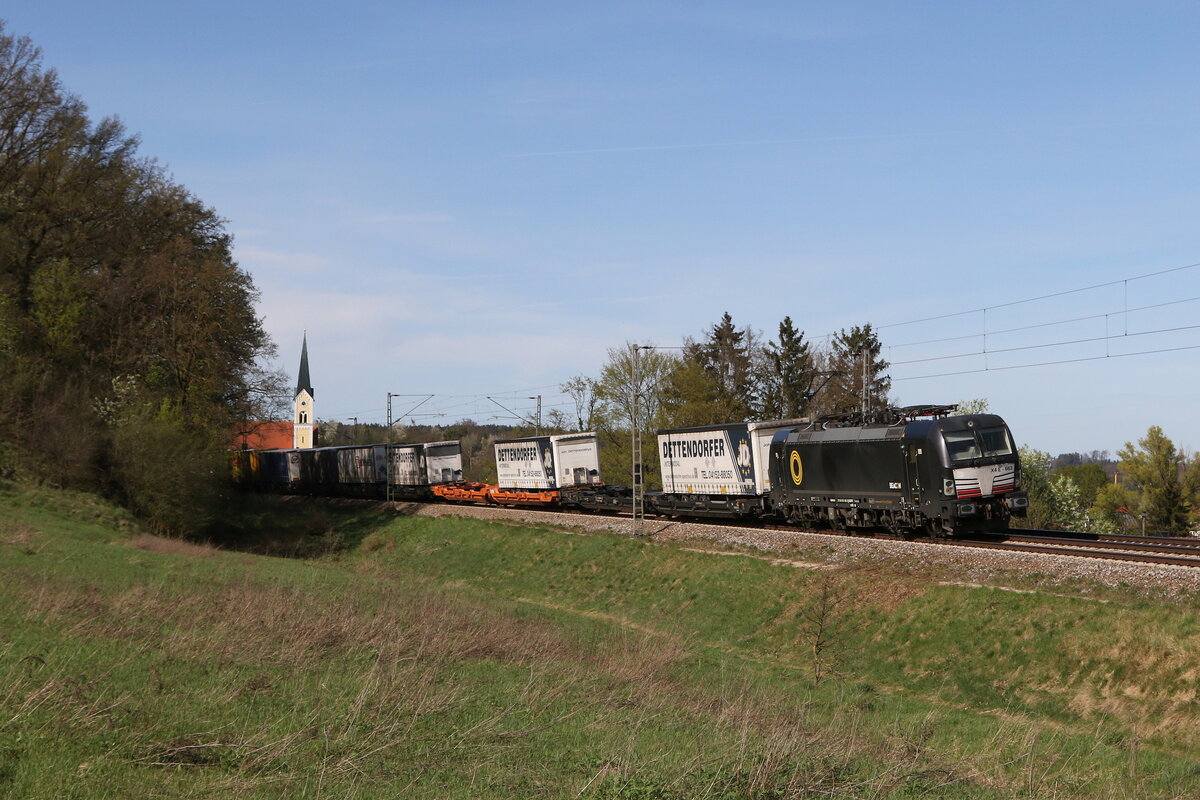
303 408
303 382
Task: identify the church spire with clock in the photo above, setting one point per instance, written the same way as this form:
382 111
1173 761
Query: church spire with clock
303 420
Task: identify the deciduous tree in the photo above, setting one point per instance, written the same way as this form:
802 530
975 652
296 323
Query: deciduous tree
113 275
1168 488
614 405
1035 480
582 391
1090 478
978 405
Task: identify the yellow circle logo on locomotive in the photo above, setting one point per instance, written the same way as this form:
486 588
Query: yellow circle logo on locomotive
797 468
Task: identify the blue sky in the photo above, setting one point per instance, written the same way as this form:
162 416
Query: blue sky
473 199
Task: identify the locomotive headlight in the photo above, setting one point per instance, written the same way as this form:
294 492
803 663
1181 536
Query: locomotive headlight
948 487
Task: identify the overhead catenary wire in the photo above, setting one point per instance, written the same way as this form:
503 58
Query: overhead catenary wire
473 404
988 349
1049 363
1065 343
1124 282
1048 296
1019 328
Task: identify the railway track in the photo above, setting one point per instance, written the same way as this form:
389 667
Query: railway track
957 562
1177 551
1149 550
1170 551
1082 536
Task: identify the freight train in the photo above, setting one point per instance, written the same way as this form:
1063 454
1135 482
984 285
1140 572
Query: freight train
907 470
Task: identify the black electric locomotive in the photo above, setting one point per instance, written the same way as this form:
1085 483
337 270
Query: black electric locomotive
917 470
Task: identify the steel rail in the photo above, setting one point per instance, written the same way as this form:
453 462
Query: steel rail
1111 544
1080 552
1020 540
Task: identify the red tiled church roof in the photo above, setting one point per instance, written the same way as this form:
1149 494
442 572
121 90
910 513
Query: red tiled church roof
264 435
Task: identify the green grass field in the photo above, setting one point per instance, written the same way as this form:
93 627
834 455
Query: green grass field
398 656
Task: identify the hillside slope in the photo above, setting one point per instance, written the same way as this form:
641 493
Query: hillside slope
419 657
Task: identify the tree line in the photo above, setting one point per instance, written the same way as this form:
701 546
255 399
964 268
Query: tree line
732 374
1153 487
128 338
728 373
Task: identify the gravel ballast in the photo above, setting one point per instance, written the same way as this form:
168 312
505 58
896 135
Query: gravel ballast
966 564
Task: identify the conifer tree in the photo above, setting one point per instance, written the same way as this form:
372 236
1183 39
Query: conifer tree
714 380
787 374
846 391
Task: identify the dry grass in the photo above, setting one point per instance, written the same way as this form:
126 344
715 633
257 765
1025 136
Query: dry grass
252 676
408 644
175 547
254 623
881 587
1158 698
21 536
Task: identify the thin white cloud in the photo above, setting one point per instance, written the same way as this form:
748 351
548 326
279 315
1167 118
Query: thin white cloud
528 354
417 233
836 139
253 258
249 233
422 218
363 65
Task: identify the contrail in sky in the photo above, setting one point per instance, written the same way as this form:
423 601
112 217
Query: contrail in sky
811 139
696 146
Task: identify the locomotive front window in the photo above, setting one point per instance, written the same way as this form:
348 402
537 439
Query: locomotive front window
961 445
966 445
995 442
